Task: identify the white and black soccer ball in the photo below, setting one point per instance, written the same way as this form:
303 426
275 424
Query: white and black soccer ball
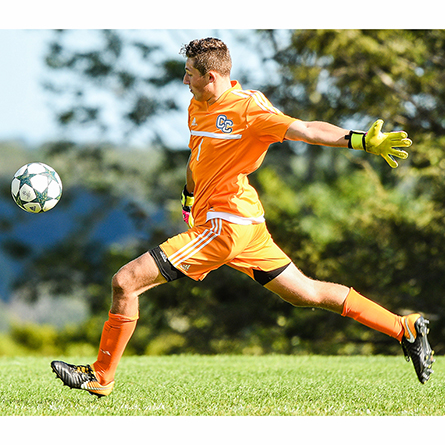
36 187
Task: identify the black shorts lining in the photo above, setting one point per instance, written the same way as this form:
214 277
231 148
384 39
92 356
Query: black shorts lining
264 277
168 271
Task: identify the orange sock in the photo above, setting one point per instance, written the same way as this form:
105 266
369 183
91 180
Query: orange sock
370 314
116 333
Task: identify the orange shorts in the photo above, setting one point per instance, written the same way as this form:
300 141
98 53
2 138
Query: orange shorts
247 248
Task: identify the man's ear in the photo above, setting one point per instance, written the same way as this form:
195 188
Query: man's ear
212 76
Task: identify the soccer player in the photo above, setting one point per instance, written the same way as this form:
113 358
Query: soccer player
230 132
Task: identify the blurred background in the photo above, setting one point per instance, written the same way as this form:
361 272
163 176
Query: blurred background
107 109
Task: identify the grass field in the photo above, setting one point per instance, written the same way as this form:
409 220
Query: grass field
229 386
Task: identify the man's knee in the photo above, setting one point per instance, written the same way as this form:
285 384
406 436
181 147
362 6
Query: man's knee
124 297
121 281
136 277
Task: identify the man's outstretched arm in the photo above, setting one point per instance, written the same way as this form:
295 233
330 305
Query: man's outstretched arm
317 133
387 145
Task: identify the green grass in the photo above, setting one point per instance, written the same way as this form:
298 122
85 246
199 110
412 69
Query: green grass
229 386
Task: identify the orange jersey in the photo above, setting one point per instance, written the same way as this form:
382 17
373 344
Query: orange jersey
228 141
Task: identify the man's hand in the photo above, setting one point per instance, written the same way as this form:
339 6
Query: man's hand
383 144
187 200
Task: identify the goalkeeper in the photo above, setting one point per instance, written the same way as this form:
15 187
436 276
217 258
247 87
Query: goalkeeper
230 132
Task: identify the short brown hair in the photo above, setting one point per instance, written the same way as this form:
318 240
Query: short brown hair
209 54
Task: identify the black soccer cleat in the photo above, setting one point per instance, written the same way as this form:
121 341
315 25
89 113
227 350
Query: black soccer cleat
416 347
81 377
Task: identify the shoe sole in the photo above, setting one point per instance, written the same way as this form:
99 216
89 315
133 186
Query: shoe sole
54 369
423 330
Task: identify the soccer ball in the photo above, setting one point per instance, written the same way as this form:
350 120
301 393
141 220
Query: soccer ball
36 187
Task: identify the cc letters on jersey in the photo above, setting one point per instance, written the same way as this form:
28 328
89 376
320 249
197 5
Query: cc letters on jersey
224 124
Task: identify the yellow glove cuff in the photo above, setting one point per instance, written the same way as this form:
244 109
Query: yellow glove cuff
187 199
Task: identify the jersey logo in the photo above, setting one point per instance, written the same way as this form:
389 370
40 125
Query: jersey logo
224 124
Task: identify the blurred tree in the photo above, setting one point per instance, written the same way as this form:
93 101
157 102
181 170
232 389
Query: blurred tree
111 78
342 216
352 77
388 239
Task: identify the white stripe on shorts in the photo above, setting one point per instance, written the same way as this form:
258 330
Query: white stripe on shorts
197 244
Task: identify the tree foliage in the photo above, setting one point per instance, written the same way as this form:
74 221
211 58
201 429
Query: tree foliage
342 216
116 79
389 243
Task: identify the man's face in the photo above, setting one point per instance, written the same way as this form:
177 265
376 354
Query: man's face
198 83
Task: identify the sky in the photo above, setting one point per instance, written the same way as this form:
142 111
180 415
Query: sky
25 111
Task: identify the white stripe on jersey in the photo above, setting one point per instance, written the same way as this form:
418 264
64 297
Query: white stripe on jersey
235 219
259 98
215 135
197 244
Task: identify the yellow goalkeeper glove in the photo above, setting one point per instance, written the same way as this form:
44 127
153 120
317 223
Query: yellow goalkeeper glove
187 200
378 143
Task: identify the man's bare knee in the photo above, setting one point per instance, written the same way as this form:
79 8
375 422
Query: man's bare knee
122 292
136 277
121 281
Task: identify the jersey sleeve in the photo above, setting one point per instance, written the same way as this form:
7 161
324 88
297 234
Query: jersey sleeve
267 122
